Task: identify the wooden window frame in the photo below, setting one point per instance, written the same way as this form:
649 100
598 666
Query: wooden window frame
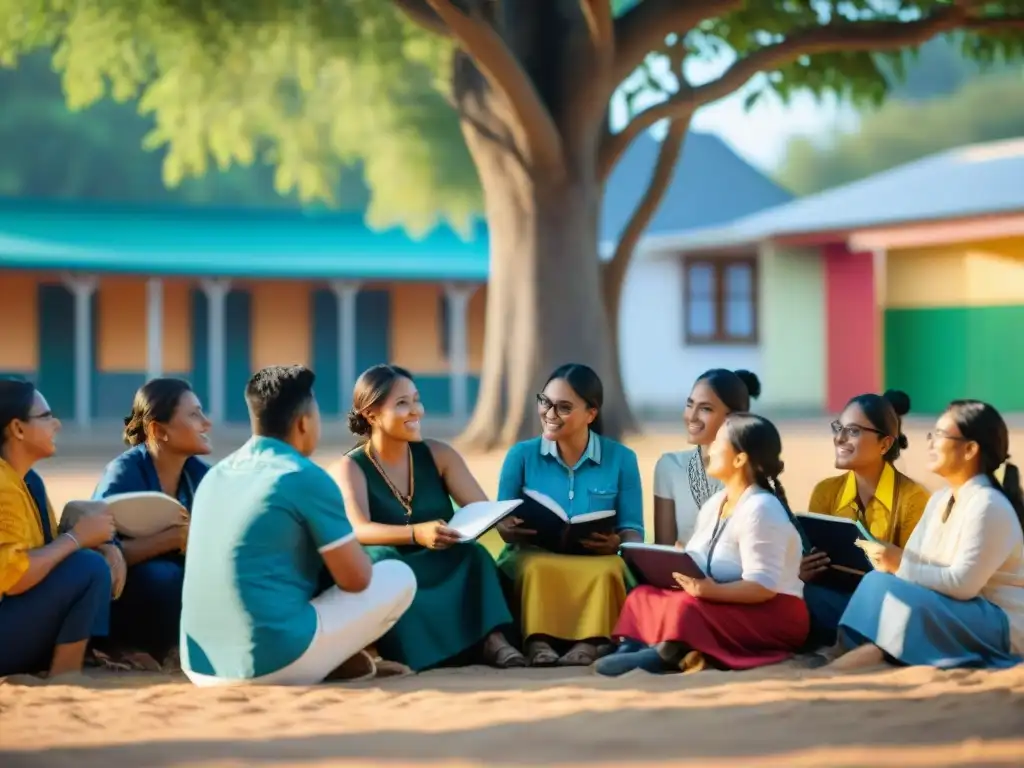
719 265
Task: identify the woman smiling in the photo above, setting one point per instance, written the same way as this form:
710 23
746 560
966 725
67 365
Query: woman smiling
571 601
681 482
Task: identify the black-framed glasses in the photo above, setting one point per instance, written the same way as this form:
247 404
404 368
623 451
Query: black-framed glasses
545 404
44 416
852 431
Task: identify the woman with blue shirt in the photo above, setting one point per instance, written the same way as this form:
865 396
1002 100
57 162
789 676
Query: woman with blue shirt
571 600
167 431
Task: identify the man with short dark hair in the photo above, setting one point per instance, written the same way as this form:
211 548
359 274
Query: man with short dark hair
265 521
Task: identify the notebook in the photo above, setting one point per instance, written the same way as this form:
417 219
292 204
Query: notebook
474 520
556 531
145 513
837 537
654 564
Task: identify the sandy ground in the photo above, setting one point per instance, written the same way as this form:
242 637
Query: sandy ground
784 716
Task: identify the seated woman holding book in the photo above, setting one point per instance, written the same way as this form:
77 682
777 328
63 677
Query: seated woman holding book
954 596
868 439
168 432
398 490
743 608
55 589
571 596
681 482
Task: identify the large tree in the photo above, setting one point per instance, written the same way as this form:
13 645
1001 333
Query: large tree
307 84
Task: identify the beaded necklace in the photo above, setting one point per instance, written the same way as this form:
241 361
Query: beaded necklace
403 499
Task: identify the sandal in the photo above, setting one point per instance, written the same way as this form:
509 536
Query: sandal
540 654
356 669
499 652
694 661
580 655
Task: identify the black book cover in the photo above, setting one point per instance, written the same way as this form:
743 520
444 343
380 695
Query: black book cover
654 564
556 532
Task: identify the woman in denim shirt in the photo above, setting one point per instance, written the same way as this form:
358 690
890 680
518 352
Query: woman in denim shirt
570 602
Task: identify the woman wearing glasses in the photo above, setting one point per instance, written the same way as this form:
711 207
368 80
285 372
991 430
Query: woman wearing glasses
954 596
868 438
570 603
54 589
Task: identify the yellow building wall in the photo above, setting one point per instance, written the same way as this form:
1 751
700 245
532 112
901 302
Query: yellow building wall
281 323
416 332
964 275
19 319
120 325
177 336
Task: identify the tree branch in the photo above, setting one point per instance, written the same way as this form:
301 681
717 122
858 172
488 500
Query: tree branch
419 13
614 272
643 29
839 36
505 73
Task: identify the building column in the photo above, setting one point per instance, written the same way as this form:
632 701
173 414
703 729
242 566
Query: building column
880 270
154 328
346 293
216 310
83 288
458 295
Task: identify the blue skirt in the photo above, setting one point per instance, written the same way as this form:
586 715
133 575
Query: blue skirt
918 626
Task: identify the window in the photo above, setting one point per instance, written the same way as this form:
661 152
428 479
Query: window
720 304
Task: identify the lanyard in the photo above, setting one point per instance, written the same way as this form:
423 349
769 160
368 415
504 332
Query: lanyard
716 534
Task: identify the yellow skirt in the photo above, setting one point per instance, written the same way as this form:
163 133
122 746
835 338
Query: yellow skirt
569 597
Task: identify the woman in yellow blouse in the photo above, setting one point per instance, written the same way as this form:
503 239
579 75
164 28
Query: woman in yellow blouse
868 438
53 588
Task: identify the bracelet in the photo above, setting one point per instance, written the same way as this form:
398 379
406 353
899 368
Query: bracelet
78 544
412 535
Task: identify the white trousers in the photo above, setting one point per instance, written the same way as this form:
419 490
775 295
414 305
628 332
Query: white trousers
347 622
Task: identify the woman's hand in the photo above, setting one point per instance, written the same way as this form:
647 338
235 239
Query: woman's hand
511 531
884 557
118 568
602 543
693 587
94 529
434 535
813 565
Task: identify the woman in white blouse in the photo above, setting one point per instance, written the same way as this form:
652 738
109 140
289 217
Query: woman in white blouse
748 611
681 482
954 597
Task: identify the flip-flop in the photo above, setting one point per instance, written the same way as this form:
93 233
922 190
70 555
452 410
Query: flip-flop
508 657
694 661
541 655
339 674
578 656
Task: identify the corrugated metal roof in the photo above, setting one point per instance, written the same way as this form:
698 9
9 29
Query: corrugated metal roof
976 180
229 243
712 185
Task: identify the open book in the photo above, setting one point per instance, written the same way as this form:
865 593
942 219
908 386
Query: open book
556 531
654 564
474 520
837 537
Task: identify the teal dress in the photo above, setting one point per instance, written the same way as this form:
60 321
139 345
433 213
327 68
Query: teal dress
459 599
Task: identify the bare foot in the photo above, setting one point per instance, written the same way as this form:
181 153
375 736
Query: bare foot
867 655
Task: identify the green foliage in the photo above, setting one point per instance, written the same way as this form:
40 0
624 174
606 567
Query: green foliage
985 109
308 87
313 86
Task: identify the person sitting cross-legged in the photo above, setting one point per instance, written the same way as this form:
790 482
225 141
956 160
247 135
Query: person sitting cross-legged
265 522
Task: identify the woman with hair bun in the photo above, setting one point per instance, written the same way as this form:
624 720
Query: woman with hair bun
166 432
954 596
398 489
681 482
868 438
748 610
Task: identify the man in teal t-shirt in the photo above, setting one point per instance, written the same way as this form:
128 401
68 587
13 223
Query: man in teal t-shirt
265 522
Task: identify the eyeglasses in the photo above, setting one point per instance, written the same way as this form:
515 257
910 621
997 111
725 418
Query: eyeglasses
44 416
562 408
852 431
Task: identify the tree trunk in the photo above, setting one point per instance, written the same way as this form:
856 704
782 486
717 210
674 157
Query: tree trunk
541 313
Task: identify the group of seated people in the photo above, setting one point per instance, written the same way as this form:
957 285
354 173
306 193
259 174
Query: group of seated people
288 573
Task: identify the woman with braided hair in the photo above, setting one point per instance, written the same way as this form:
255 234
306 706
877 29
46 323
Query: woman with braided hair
749 610
954 596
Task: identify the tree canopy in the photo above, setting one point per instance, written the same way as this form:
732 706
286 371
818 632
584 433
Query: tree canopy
310 87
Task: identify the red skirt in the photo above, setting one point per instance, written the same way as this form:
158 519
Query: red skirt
733 635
